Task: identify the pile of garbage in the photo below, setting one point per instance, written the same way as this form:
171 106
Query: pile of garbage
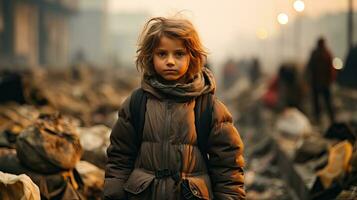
326 162
288 157
291 160
263 177
54 131
92 95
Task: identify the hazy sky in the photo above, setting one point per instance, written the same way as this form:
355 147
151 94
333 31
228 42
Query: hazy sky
223 22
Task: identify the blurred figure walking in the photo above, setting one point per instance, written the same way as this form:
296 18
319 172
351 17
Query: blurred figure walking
255 71
321 75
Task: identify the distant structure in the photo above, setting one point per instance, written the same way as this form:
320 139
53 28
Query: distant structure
332 26
34 32
230 73
347 76
125 29
100 38
89 32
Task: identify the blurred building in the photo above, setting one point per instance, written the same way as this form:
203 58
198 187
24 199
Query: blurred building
125 29
332 26
89 32
34 32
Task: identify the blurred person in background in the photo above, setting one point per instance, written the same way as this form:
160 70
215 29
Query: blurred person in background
321 75
290 87
255 71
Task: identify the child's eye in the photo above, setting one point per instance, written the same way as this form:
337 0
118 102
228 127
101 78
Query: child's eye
180 54
161 54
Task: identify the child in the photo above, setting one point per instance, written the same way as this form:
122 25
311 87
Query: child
163 160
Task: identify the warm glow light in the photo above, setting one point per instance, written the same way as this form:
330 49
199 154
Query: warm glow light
337 63
299 5
283 18
262 34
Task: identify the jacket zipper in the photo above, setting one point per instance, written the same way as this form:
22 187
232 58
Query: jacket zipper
165 153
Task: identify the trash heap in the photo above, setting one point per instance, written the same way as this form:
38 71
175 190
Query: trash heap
54 129
287 157
263 177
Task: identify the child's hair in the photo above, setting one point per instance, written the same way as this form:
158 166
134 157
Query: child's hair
173 28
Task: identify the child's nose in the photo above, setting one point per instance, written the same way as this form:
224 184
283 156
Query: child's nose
170 61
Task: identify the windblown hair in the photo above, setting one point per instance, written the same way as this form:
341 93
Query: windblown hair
173 28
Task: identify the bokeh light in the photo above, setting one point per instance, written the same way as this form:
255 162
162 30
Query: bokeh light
262 34
337 63
283 18
299 5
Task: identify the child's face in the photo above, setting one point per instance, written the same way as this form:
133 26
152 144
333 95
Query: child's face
171 59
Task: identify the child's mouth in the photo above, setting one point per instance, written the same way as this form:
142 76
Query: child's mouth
170 71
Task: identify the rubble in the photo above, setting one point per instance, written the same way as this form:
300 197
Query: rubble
338 163
13 119
17 187
293 122
61 122
52 143
310 147
350 193
61 185
93 179
95 141
287 149
287 156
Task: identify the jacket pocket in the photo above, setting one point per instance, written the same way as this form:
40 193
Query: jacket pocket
137 184
198 187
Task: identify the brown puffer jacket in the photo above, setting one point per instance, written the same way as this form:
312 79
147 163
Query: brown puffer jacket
169 141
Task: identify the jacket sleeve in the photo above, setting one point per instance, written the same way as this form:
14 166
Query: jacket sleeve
121 154
225 149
